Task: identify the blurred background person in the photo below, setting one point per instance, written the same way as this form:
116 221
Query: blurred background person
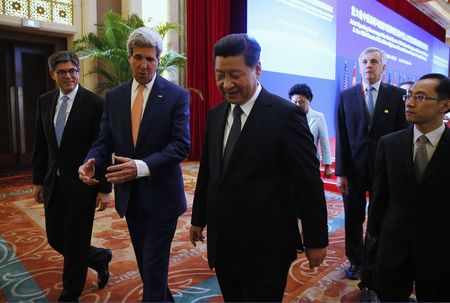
302 95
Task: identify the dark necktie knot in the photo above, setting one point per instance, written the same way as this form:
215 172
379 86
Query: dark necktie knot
237 111
422 139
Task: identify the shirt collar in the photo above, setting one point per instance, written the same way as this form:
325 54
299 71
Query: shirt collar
376 85
247 106
71 95
149 85
433 136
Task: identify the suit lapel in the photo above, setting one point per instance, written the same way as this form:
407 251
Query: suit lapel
407 146
154 102
79 103
382 99
217 140
258 114
124 105
52 110
440 158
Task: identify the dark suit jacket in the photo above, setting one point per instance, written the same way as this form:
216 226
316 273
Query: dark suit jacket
248 208
410 217
163 142
80 131
355 142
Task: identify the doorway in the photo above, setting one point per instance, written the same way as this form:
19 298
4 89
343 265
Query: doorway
24 77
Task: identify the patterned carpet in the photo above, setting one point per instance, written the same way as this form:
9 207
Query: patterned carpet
30 270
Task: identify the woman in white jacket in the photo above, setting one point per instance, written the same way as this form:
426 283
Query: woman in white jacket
301 95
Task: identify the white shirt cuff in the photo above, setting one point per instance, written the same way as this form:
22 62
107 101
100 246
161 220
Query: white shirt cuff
142 169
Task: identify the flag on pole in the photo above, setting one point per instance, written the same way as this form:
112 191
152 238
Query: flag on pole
394 81
354 81
346 84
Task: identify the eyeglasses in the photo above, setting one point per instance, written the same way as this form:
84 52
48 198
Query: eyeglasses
72 72
419 98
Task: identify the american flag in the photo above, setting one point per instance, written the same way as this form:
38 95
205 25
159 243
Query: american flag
354 81
346 84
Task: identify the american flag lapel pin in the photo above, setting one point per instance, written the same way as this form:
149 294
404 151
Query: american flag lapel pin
386 111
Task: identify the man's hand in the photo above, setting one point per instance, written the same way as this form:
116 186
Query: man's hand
342 184
39 193
327 173
86 172
123 172
315 256
196 234
103 200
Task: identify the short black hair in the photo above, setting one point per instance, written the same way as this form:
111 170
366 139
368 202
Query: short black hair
62 57
236 45
406 82
443 88
301 89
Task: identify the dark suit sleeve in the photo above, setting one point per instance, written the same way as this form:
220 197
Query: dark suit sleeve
104 186
199 205
380 192
40 150
102 149
178 147
303 167
342 144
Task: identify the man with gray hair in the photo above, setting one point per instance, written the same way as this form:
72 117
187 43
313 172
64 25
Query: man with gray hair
365 112
67 122
146 125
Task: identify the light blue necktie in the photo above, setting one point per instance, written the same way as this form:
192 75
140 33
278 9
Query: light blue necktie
369 100
61 119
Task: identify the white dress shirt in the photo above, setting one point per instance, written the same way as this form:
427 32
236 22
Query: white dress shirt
433 140
69 101
246 108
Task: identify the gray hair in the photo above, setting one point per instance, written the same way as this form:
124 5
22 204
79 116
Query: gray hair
374 49
145 38
62 57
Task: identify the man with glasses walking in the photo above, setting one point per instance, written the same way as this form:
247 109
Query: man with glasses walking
67 122
409 210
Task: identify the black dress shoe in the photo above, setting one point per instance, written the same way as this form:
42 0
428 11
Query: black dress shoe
353 272
368 295
103 273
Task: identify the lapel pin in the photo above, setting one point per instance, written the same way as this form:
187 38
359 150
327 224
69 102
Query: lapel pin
386 111
160 96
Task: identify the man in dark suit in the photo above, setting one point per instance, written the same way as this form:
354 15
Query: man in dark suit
67 122
365 112
146 124
410 206
258 153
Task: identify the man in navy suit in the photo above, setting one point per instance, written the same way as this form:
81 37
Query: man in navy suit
257 172
67 122
365 112
146 124
410 206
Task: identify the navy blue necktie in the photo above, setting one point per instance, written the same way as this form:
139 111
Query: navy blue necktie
233 136
61 119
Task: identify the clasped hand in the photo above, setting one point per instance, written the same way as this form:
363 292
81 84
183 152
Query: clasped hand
122 171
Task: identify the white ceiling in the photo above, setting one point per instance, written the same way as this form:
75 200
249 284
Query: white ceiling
438 10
